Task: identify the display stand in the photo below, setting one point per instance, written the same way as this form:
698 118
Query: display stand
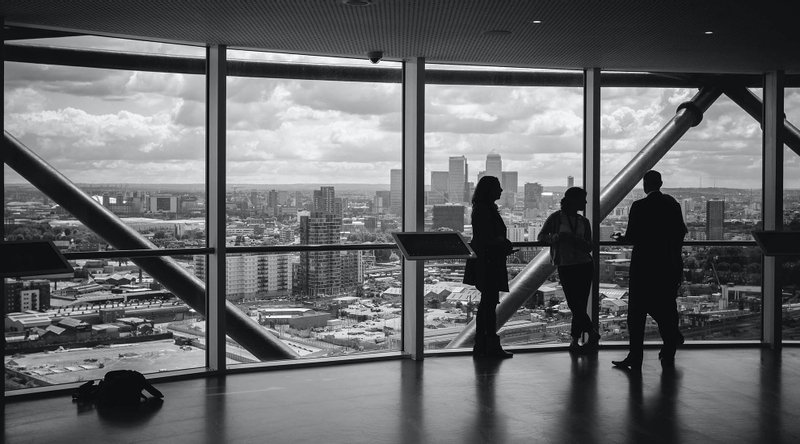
21 259
433 245
778 243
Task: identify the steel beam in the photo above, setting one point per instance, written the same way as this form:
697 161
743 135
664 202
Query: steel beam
105 59
248 333
754 106
529 280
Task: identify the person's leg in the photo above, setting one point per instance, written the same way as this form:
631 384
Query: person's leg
493 347
480 330
568 279
637 316
665 313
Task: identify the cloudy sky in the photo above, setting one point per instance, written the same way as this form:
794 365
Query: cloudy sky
102 126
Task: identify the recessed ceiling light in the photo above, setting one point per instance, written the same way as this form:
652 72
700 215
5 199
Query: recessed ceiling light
536 22
709 32
497 32
357 2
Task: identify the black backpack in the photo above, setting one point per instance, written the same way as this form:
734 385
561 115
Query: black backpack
119 388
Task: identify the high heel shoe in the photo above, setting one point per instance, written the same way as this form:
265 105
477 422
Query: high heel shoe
593 342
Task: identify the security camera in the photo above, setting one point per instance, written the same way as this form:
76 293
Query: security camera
375 56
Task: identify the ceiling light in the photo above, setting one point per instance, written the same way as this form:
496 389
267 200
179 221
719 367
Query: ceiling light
357 2
536 22
709 32
497 32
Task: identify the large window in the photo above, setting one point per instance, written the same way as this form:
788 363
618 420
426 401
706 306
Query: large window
132 141
714 172
790 266
314 162
530 138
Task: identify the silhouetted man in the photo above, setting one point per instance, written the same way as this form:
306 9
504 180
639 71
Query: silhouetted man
656 229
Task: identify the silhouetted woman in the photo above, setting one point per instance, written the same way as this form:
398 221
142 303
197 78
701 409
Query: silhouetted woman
570 237
488 272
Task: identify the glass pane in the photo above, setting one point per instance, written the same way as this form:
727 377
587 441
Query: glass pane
132 140
357 311
315 163
720 298
713 171
109 315
530 138
790 270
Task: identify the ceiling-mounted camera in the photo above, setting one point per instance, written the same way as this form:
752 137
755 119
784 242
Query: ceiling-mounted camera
375 56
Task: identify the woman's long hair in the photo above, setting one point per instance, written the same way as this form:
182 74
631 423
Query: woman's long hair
483 191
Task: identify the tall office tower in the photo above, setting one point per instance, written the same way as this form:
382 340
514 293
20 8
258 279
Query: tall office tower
324 200
377 205
715 217
106 199
396 192
320 271
570 181
254 198
457 179
533 194
494 166
510 183
687 206
438 188
272 202
385 196
533 230
448 216
22 295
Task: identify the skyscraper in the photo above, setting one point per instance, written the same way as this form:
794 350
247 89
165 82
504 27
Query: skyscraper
510 183
319 272
396 190
324 200
533 194
715 217
457 179
438 193
570 181
494 165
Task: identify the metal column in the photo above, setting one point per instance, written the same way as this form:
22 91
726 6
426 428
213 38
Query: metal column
752 105
591 177
413 201
216 75
689 114
772 202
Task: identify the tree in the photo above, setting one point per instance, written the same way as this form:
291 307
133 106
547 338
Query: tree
753 268
723 266
736 268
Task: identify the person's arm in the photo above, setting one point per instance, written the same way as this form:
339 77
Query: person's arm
632 230
547 234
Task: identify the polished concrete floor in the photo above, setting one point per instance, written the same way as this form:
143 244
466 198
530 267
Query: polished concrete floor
712 396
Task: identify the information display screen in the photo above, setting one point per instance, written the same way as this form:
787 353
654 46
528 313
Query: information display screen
32 258
433 245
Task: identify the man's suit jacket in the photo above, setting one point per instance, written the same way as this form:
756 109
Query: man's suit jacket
656 228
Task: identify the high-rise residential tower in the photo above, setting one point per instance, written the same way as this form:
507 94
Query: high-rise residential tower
715 217
319 272
324 200
396 190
